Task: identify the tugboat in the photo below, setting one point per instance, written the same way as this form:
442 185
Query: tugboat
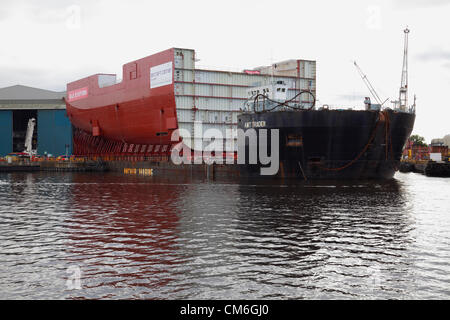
320 143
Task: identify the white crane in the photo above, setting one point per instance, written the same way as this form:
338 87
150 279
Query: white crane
29 137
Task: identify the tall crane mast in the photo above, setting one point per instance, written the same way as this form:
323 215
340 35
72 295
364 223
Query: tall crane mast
403 96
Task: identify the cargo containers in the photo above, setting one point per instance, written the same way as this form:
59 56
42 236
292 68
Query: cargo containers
211 99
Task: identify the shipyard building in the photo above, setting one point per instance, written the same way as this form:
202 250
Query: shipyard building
52 132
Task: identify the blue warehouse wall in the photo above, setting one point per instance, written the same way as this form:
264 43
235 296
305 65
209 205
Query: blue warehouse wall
6 131
54 132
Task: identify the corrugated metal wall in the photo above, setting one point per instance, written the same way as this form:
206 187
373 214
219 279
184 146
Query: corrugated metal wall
215 98
6 132
54 132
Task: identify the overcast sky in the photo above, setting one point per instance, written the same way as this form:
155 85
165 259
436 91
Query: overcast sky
48 43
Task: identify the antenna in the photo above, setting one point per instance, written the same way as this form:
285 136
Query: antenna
403 94
369 85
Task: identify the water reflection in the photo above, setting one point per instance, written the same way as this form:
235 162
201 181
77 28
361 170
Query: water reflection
324 239
181 238
123 233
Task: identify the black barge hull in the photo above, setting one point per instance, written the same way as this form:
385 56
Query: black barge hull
332 144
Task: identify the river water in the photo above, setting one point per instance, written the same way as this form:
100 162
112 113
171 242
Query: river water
110 236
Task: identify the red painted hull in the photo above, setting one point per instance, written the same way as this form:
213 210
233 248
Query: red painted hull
128 113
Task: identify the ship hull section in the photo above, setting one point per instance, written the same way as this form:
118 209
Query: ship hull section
139 110
330 144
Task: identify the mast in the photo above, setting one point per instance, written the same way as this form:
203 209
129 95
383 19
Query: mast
403 97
